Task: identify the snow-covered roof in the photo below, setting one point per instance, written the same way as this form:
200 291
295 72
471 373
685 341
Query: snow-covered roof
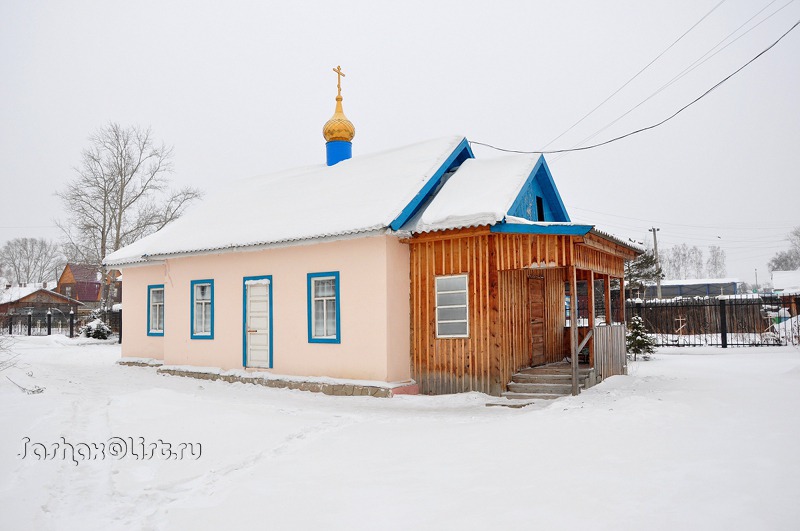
428 186
16 293
786 281
698 281
362 194
479 193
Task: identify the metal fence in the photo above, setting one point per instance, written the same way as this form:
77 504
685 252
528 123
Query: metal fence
42 324
725 321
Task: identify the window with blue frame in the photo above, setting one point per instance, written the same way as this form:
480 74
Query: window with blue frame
202 309
155 310
323 308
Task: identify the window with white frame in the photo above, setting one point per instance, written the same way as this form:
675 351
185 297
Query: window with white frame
323 307
155 310
452 306
202 309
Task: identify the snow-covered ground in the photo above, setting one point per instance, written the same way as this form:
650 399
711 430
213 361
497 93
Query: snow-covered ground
698 438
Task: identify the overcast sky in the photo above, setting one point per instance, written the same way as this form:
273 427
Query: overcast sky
243 88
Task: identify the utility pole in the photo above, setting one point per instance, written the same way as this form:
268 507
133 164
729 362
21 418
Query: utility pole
756 291
658 263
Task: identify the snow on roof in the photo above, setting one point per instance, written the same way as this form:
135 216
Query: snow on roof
698 281
16 293
786 281
479 193
358 195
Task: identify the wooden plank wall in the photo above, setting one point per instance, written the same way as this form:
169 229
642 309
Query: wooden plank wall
497 266
515 337
598 261
609 350
519 251
454 365
555 318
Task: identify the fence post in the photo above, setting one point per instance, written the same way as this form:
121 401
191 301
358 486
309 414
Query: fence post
723 323
30 322
119 340
10 325
49 323
71 323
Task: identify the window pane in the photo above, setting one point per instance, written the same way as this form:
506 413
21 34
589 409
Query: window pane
198 318
452 329
154 311
324 287
319 318
451 299
157 295
206 318
451 284
160 323
202 292
452 314
330 317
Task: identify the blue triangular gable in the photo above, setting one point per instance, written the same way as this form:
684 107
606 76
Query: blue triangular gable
461 153
539 185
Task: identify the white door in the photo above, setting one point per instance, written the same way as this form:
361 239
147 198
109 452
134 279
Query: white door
257 323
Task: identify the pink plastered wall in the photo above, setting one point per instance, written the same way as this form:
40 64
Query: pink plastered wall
136 343
374 309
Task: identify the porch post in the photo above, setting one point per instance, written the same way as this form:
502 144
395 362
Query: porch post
573 327
607 298
591 317
622 299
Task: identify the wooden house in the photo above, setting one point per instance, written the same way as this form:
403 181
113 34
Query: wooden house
420 267
22 300
88 284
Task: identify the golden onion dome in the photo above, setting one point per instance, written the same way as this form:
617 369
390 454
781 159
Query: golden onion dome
338 127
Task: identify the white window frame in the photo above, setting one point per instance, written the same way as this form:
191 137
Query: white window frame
155 307
437 292
330 336
198 307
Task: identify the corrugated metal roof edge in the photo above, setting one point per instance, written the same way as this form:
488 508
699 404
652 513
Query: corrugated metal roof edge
635 248
255 246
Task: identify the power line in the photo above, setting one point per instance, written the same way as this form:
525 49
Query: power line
649 221
653 126
28 226
697 63
585 116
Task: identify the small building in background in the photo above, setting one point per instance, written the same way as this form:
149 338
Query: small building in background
693 287
37 301
87 284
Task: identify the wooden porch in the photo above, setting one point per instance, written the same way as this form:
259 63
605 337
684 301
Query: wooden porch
518 286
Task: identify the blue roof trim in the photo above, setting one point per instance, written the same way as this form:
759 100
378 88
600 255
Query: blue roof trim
553 203
519 228
461 153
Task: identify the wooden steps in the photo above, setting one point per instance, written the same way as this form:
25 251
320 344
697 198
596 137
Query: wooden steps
548 382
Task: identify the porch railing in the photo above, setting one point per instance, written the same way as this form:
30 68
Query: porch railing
609 350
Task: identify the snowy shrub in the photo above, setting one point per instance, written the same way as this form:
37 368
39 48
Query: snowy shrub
637 341
96 329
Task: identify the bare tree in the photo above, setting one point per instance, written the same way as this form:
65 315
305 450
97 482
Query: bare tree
715 265
31 259
696 267
788 260
120 194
